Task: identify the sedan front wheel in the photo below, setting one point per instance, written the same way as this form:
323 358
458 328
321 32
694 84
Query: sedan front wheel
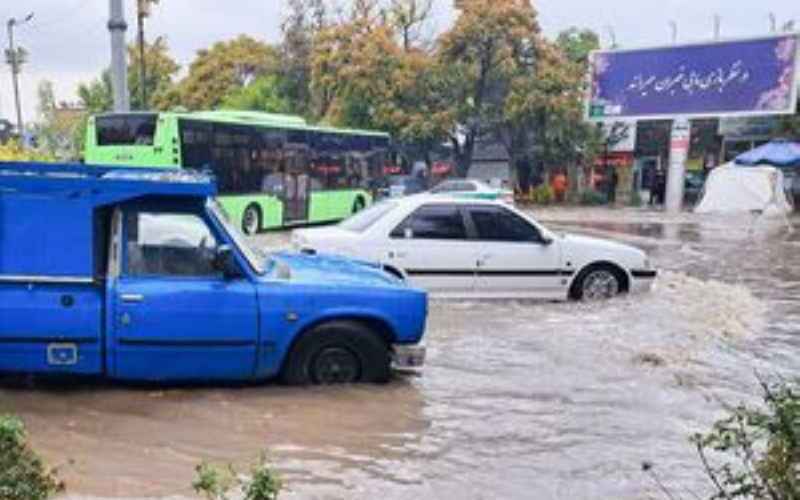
598 283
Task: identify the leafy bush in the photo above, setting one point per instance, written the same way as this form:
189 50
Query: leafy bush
23 475
215 483
542 195
635 199
762 446
592 198
13 151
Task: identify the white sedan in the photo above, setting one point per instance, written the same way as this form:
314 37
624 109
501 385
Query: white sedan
460 248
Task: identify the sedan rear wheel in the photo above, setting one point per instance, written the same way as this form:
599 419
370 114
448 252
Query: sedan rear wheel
600 284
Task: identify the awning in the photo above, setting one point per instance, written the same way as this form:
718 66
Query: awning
778 153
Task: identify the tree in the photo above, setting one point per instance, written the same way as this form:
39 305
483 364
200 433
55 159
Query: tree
97 96
577 44
408 16
306 18
58 125
225 68
490 44
161 68
363 78
264 94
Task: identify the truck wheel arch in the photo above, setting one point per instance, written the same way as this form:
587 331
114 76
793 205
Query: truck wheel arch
377 327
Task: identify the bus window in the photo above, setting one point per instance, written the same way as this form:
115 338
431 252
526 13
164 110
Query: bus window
126 130
195 144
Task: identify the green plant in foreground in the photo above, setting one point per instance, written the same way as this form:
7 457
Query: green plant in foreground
762 446
214 483
23 475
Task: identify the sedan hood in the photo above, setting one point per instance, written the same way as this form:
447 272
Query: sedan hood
577 248
322 269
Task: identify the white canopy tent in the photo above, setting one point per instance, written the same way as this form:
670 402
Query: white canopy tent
735 189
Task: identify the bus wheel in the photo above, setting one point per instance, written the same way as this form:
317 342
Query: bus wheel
251 220
358 205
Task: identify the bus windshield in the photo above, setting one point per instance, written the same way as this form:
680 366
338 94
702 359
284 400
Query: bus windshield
126 130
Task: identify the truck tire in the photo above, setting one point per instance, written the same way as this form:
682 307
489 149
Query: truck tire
251 219
339 352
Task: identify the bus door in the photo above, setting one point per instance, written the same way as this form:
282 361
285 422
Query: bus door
297 190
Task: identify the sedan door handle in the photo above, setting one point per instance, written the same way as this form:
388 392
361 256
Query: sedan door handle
131 298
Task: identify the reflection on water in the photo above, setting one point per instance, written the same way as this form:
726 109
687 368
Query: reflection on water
519 399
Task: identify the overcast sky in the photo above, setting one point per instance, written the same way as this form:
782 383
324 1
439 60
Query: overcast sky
68 40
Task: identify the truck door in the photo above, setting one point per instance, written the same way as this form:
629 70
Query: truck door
174 316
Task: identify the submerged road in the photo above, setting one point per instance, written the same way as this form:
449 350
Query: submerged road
519 400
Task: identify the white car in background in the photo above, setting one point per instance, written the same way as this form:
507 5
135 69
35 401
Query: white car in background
471 188
461 248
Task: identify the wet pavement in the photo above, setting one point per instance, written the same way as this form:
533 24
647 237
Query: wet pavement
518 400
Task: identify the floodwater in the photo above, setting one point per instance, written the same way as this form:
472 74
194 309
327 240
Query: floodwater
518 400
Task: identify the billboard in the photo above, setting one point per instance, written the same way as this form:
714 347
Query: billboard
735 78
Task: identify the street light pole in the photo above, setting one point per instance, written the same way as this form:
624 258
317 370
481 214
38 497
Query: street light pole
140 15
119 68
15 60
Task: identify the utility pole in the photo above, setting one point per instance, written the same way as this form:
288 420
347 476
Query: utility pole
119 67
16 58
717 26
142 11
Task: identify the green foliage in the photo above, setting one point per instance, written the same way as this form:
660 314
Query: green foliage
223 69
261 95
591 197
264 484
23 475
577 44
762 446
58 126
97 96
216 483
13 151
543 195
635 199
160 70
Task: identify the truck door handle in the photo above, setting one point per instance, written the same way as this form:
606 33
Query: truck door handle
131 298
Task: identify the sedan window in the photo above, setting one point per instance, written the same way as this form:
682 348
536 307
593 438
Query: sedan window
433 222
499 224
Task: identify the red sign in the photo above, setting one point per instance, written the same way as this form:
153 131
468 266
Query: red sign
441 168
328 169
621 159
392 170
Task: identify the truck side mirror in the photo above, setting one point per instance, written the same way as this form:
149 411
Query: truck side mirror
225 262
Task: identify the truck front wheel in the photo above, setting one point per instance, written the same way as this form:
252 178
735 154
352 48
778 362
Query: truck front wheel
340 352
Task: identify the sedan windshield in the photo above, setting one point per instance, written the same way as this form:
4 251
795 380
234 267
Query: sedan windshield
365 219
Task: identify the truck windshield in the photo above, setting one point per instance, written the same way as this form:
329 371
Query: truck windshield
254 256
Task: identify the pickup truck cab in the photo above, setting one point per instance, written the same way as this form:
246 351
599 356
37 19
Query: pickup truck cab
137 275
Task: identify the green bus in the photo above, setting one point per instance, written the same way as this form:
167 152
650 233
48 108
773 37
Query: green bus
272 170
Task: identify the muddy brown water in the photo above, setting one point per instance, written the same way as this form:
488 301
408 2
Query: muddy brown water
518 400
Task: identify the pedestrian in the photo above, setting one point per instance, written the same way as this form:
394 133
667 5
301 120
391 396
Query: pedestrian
559 185
660 185
613 180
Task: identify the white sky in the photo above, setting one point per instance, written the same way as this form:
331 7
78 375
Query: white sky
68 40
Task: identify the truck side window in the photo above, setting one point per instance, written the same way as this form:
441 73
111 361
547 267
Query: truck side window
169 244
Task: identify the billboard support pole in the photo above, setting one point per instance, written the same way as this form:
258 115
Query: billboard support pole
678 153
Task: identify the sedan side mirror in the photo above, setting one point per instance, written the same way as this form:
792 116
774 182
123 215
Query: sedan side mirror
546 240
225 262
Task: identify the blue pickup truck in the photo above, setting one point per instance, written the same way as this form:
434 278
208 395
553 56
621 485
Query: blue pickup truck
137 275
